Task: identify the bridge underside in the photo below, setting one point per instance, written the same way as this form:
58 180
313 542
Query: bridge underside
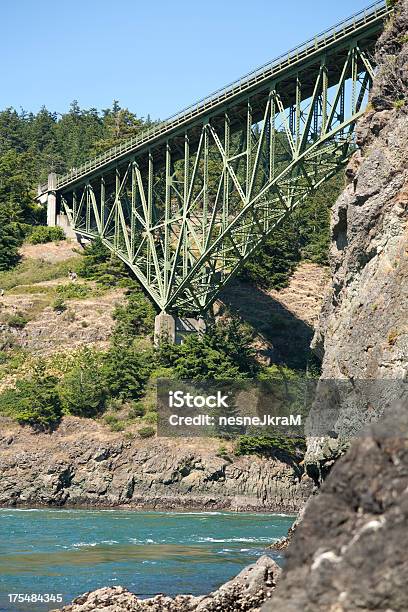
186 211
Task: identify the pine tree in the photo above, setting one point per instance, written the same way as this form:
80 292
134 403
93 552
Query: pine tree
9 239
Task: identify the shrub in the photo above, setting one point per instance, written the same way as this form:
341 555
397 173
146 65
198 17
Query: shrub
268 445
83 390
222 452
73 290
17 320
117 426
34 401
147 432
114 423
135 317
43 233
94 254
150 417
137 410
59 305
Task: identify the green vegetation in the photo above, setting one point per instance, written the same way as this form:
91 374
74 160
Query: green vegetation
224 352
126 370
33 144
42 233
269 445
102 266
10 239
118 384
136 317
34 401
31 271
59 305
17 320
147 432
74 291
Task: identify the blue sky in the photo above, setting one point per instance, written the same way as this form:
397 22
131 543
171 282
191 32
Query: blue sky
154 56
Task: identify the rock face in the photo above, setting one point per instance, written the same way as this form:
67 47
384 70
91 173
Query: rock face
84 464
350 551
245 592
363 330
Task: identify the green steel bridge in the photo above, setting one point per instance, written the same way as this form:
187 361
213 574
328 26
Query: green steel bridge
187 202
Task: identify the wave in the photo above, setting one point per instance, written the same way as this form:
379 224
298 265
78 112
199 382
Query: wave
259 540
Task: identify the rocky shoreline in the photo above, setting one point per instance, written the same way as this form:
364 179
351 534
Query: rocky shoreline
82 465
247 591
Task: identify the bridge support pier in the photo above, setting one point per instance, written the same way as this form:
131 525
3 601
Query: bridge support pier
164 328
52 200
175 329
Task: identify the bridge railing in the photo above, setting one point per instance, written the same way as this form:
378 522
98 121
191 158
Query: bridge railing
370 14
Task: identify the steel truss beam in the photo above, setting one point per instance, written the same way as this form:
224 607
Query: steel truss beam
186 213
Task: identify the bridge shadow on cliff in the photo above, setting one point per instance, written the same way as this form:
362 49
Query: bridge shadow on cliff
285 338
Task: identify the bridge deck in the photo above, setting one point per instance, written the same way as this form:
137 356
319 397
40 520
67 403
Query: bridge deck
366 19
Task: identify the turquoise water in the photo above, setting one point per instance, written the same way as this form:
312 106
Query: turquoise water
69 552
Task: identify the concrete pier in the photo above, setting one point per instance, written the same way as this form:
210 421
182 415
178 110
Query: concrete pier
175 329
52 200
164 328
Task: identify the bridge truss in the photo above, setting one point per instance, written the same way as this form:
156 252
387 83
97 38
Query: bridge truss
187 203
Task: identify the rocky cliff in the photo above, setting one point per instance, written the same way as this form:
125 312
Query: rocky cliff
350 551
83 464
363 329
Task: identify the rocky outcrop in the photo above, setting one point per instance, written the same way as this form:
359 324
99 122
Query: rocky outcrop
245 592
82 463
350 551
363 330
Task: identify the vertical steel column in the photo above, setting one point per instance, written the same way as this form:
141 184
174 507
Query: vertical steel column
185 202
298 110
272 149
167 215
324 95
103 197
205 188
74 205
248 150
133 210
117 203
88 209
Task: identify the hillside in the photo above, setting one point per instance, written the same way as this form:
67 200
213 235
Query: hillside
33 329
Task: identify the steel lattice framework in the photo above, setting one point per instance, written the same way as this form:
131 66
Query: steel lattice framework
187 203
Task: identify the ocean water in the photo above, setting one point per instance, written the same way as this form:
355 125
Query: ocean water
69 552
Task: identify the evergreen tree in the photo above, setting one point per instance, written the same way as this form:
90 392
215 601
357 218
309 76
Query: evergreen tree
36 401
126 370
83 390
9 239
